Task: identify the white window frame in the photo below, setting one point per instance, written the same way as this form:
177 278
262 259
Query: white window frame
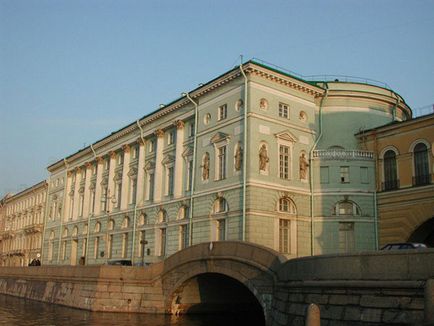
222 112
284 110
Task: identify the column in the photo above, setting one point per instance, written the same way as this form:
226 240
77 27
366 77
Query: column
78 173
99 169
86 207
125 178
111 182
179 164
66 197
140 172
158 185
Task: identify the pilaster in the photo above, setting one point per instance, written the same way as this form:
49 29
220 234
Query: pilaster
86 208
78 173
66 197
140 172
125 178
99 170
111 181
158 165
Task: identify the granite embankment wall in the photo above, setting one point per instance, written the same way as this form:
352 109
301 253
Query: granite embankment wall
375 288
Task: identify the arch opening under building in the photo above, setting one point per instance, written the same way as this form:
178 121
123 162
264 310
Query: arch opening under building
424 233
215 293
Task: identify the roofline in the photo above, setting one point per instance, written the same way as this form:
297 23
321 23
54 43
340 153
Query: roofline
40 184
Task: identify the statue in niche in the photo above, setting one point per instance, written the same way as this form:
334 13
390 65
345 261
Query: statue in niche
238 158
263 158
205 167
303 166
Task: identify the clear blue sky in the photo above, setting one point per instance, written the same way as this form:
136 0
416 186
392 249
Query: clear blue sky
71 72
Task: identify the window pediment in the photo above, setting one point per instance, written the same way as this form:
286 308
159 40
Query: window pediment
286 135
118 176
132 172
168 159
219 137
188 151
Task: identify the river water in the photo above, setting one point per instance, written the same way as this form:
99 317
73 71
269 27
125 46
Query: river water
23 312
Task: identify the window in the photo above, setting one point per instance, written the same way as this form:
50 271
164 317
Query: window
284 236
220 205
170 180
390 172
324 174
191 133
283 111
135 151
284 162
222 112
162 242
364 178
120 158
63 254
151 186
421 168
171 137
189 174
104 199
346 207
95 247
133 190
118 192
221 161
221 230
110 246
92 200
124 245
207 118
183 236
151 146
345 174
143 243
106 164
81 205
286 205
346 237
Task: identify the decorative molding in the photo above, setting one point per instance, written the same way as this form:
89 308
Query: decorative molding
112 154
126 148
159 133
150 165
219 136
168 159
179 124
188 151
286 135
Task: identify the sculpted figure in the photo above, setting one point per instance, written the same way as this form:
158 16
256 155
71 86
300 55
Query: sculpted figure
205 167
303 166
238 158
263 158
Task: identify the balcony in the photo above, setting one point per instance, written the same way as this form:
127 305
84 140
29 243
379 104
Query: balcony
33 228
343 155
422 180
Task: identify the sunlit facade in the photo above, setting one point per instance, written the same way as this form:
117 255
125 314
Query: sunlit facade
254 155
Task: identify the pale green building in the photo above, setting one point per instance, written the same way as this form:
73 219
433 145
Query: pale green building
176 176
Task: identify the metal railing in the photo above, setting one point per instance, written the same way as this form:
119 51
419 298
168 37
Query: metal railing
343 154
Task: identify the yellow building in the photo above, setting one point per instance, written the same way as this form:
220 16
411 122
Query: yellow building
404 165
22 225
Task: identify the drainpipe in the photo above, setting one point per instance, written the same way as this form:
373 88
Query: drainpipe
196 119
137 203
244 155
88 219
312 224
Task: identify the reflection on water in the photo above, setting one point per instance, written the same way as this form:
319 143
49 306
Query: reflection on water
18 311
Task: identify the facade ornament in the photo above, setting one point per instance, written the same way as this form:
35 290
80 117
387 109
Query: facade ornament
77 169
112 154
179 124
205 166
159 133
263 104
99 159
239 104
88 165
238 157
303 166
141 141
126 148
69 173
263 158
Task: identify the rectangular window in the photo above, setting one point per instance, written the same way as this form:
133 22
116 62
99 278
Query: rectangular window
135 151
106 164
133 190
83 249
162 242
171 137
324 174
120 158
170 180
283 111
284 236
92 200
63 250
191 134
81 205
221 157
151 146
364 174
118 191
222 112
71 207
190 174
221 230
183 236
345 174
110 246
104 199
124 245
284 162
151 186
95 247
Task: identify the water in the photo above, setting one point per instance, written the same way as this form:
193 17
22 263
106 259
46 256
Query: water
23 312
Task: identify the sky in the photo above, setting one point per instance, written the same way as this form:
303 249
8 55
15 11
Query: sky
72 72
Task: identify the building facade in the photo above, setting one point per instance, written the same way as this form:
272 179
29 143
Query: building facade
255 155
22 225
405 184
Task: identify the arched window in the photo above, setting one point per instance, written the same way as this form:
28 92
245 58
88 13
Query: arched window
65 232
220 205
346 207
75 231
390 173
182 212
142 219
125 222
421 168
97 227
286 205
162 216
111 225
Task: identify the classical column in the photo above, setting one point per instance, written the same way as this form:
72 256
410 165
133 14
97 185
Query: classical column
158 186
111 181
99 169
179 162
78 173
140 172
66 196
86 208
125 178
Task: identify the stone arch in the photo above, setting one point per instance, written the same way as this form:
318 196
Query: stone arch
251 265
424 233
